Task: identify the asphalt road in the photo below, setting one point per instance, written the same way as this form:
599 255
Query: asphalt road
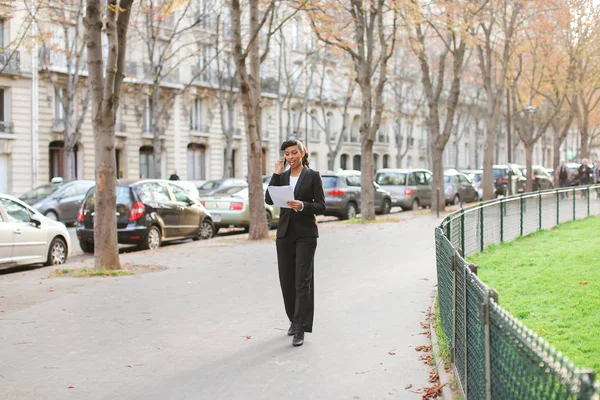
211 325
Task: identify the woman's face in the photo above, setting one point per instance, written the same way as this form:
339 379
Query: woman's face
293 156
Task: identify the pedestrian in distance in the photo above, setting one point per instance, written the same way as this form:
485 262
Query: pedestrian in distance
297 235
585 174
174 176
564 177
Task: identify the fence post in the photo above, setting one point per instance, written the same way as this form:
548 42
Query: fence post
448 231
573 204
453 349
588 200
481 228
485 317
540 211
557 208
586 379
521 199
501 220
462 231
465 332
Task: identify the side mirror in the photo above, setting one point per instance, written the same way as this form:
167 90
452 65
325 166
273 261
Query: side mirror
36 220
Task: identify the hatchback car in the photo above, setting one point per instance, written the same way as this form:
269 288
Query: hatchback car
501 174
62 201
149 212
230 207
409 188
343 191
542 179
476 176
27 237
458 188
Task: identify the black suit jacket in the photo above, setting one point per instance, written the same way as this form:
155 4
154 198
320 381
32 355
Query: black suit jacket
309 190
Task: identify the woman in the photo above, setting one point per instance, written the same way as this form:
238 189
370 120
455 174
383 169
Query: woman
297 236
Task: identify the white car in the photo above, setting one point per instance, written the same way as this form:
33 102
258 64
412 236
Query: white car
27 237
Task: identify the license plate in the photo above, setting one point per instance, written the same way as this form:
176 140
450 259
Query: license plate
216 218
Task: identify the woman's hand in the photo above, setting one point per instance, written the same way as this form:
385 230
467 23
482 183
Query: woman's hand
296 205
279 166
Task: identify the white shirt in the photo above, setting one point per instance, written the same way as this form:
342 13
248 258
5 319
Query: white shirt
293 182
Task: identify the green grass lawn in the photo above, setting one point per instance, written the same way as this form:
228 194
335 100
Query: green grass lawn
551 282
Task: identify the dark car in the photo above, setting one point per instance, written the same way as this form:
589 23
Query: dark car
542 179
458 188
501 175
149 212
58 202
342 195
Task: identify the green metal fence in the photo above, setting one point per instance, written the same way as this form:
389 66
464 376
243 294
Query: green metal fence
493 355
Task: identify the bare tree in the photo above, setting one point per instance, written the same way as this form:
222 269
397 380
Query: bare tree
60 31
358 29
105 86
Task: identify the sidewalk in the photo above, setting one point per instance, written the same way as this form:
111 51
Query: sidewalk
212 326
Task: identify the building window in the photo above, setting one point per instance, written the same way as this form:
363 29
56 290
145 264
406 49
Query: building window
386 161
409 162
354 130
375 161
197 116
382 132
148 116
329 126
56 152
314 161
296 36
5 125
58 110
356 162
314 131
467 156
147 162
344 161
294 129
196 161
4 163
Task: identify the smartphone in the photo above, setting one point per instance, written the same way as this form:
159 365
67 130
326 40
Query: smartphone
284 163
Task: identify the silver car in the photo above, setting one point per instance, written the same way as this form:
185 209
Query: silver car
27 237
409 188
61 204
458 188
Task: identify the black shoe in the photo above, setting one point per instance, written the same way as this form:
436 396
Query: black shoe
298 339
292 329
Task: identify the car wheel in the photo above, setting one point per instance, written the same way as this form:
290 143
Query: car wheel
350 211
269 220
415 204
57 253
386 207
51 215
206 230
152 241
456 200
86 247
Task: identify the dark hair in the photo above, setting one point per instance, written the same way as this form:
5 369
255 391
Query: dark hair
294 142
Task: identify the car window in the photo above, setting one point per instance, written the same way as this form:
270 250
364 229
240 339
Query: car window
180 193
231 190
66 191
420 178
455 179
447 178
40 192
411 180
499 173
160 192
391 178
464 180
82 188
329 181
428 178
15 211
209 185
353 181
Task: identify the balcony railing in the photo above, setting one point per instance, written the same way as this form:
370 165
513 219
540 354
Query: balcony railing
58 124
314 135
171 77
269 85
422 143
199 128
6 127
120 127
10 61
203 75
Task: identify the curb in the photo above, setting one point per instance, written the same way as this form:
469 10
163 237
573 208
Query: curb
437 359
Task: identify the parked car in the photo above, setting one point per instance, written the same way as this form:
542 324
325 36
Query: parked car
501 174
476 176
458 188
542 179
409 188
230 207
343 191
211 186
574 169
149 212
62 200
27 237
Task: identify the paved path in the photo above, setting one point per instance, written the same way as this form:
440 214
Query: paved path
212 325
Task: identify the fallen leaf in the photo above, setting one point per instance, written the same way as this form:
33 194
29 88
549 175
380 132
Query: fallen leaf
362 372
392 353
134 365
407 386
70 387
583 283
248 337
51 289
425 325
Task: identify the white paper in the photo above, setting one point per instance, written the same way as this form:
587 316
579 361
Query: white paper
280 195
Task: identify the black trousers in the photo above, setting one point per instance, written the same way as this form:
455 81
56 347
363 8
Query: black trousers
295 257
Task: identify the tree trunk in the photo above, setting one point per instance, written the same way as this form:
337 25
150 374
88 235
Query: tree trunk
157 154
437 190
105 224
585 134
367 206
528 165
68 163
556 155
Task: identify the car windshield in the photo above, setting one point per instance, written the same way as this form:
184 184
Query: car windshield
124 197
391 178
232 191
40 192
329 181
499 173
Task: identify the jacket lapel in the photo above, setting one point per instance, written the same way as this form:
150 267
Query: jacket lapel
286 178
300 178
